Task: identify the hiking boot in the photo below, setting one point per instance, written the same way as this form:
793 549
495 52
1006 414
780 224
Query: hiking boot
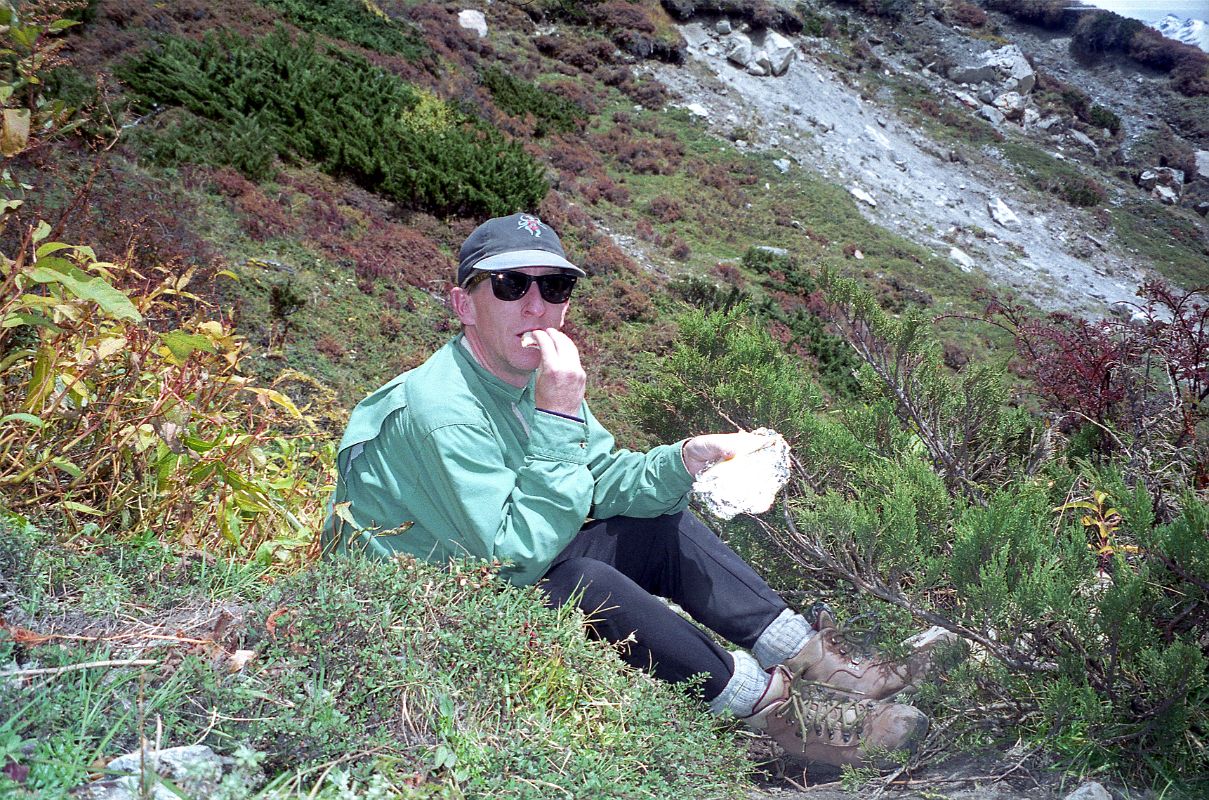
836 662
814 724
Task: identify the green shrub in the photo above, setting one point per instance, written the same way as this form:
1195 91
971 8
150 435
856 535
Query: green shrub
1105 118
355 21
1056 177
518 98
289 99
933 495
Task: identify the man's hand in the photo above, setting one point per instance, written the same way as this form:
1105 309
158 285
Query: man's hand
702 451
560 378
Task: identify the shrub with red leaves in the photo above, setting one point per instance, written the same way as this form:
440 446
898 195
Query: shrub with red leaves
665 209
605 257
1141 378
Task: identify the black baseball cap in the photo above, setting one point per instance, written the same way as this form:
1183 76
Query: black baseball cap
507 243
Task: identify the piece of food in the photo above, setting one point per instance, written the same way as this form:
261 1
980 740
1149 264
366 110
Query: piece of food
748 482
529 340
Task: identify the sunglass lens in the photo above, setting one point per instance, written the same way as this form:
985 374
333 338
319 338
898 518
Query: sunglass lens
509 286
556 288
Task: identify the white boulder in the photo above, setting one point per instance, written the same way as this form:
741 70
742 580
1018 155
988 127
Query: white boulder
1003 215
473 20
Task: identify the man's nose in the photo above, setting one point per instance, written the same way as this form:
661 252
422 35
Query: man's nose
534 304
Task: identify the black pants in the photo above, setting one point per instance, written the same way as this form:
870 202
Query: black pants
615 568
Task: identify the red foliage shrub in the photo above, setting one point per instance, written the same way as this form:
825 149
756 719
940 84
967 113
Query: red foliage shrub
587 54
122 215
389 325
1124 374
623 297
965 13
564 217
605 257
1190 75
643 155
605 188
577 92
328 346
260 216
449 41
730 274
390 253
574 158
678 248
644 230
620 15
665 209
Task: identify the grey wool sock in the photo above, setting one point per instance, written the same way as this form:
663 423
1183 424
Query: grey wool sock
784 636
745 688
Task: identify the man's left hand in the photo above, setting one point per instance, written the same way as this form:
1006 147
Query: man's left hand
702 451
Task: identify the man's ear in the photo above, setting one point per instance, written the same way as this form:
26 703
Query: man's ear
463 305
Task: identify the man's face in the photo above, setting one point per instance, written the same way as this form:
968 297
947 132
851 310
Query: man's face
494 327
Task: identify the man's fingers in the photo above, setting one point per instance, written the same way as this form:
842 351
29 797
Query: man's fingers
555 345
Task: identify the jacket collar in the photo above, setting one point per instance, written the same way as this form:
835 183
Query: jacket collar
474 371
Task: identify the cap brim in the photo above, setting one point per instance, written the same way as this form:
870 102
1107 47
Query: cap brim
518 259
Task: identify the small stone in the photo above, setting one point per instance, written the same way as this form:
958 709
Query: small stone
1090 791
862 195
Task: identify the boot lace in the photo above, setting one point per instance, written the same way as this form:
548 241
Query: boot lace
857 635
822 714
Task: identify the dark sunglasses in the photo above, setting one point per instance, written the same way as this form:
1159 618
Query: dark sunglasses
509 286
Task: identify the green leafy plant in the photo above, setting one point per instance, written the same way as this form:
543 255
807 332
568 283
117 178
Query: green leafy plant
116 425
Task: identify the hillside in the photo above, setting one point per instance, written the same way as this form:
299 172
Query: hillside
957 253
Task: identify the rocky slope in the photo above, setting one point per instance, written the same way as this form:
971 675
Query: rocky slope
952 201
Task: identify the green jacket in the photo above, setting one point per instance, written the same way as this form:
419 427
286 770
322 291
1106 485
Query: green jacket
447 460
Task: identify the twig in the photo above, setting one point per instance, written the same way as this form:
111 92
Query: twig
975 778
886 783
129 662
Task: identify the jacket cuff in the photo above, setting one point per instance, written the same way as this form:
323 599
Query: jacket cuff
558 438
673 467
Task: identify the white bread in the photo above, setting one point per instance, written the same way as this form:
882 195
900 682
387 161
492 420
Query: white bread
529 340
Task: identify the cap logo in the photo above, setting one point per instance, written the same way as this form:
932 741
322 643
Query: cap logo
530 223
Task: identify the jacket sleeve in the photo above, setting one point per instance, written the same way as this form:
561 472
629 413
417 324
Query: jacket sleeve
524 516
634 484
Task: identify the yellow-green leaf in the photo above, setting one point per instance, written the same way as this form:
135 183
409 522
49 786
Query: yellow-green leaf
67 466
23 417
14 131
109 346
86 287
276 397
83 509
182 345
49 248
29 318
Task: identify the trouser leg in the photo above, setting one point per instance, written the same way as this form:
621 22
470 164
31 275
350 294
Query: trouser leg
656 638
676 557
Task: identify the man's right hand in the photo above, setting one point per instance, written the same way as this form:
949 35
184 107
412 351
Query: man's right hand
560 378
